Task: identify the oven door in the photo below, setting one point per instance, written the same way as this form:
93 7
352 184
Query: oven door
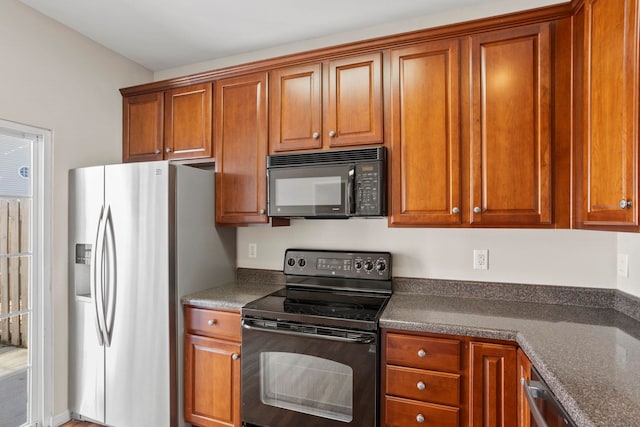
311 191
291 378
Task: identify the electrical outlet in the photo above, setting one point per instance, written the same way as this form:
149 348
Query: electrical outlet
623 265
481 259
253 250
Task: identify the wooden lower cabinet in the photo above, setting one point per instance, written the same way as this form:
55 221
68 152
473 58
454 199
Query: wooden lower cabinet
524 371
494 385
212 368
444 380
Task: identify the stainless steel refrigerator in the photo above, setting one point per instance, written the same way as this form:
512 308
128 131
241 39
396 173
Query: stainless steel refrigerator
141 235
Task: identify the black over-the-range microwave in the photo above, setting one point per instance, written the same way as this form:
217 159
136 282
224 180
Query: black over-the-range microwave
327 184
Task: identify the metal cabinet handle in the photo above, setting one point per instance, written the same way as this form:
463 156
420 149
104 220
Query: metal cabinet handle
211 322
477 209
455 210
316 135
422 353
420 418
157 152
332 133
261 211
168 149
235 356
421 385
624 204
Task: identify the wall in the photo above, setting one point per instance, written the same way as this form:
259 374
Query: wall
488 8
549 257
629 244
54 78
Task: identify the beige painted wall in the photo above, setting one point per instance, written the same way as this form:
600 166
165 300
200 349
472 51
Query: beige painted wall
54 78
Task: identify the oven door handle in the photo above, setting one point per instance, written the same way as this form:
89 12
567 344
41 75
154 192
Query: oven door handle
363 339
534 390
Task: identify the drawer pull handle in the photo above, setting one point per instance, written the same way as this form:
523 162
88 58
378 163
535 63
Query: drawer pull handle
421 385
211 322
420 418
422 353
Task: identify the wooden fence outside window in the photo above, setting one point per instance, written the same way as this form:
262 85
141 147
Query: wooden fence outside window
15 256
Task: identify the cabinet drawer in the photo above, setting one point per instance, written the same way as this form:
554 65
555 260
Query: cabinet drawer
213 323
430 386
406 413
423 352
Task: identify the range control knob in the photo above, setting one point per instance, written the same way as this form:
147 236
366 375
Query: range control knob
358 264
381 266
302 262
291 262
368 265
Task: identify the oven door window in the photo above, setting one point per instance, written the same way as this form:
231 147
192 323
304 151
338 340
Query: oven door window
310 191
307 384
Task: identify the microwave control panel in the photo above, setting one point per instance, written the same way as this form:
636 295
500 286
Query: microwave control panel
369 190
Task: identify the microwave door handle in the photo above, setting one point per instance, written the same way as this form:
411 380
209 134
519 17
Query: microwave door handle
350 196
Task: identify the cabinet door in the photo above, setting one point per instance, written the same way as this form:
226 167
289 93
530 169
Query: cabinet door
510 145
295 113
354 101
142 127
240 138
524 371
212 382
425 136
493 385
187 122
610 123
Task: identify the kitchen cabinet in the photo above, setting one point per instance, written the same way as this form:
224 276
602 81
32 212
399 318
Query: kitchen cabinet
447 380
491 118
335 103
240 140
524 371
494 382
607 88
425 135
423 381
510 131
212 368
142 123
187 122
172 125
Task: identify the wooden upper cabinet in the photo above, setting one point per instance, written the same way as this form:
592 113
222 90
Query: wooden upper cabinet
493 385
142 127
425 134
510 140
295 99
337 103
187 122
240 140
354 101
607 157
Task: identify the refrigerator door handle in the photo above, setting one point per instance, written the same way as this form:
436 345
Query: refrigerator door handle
111 277
95 277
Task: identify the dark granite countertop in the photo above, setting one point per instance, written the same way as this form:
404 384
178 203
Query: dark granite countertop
230 296
589 356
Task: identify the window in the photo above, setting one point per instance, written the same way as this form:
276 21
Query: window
23 294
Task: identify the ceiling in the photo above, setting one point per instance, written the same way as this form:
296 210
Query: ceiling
163 34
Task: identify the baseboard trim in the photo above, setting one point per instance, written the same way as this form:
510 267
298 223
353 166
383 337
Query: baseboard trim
58 420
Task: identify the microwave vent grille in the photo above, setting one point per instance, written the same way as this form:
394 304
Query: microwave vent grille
326 157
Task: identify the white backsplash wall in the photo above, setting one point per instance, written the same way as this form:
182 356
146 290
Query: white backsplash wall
629 245
547 257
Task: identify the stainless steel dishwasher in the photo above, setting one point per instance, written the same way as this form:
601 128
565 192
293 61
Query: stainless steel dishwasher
545 410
